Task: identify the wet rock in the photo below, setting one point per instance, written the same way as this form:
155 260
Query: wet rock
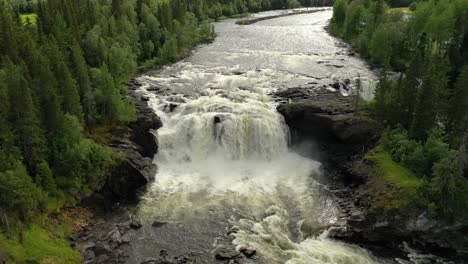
131 175
150 261
102 248
226 253
135 224
233 230
125 239
103 259
248 252
158 224
84 246
88 256
142 128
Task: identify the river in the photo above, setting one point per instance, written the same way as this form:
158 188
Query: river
224 159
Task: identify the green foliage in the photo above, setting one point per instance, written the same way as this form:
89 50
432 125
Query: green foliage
18 194
435 162
110 108
38 245
339 12
449 190
80 163
28 19
426 109
392 188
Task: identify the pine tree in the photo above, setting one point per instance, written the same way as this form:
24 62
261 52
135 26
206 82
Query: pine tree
24 117
9 29
410 87
427 105
9 153
46 85
116 8
381 94
81 72
459 109
68 89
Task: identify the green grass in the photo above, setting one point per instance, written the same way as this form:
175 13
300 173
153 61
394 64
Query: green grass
393 172
32 18
39 246
391 186
400 9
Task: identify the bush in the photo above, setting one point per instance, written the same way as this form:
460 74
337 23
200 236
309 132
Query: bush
81 163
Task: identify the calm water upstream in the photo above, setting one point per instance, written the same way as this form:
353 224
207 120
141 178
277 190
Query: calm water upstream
224 160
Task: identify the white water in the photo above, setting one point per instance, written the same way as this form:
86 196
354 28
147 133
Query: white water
239 173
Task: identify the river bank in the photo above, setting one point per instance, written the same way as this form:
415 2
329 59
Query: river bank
323 114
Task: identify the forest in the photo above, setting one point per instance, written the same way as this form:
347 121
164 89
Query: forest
64 66
424 107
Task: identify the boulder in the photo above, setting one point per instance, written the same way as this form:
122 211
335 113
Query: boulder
102 248
133 173
248 252
135 224
226 253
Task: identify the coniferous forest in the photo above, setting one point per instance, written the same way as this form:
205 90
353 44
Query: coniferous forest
424 107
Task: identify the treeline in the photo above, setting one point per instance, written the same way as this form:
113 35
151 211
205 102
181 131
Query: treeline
426 108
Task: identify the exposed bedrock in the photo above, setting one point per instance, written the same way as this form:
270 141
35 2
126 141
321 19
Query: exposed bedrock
327 117
138 145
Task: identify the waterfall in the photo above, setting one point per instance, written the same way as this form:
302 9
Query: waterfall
224 162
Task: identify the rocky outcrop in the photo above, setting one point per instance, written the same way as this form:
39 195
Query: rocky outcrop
326 114
322 114
137 144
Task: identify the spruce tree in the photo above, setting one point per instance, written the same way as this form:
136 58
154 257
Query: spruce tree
459 109
67 86
24 117
81 72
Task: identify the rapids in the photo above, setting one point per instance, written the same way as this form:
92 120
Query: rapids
224 159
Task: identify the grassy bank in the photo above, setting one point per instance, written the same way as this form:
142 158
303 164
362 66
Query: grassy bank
44 241
391 187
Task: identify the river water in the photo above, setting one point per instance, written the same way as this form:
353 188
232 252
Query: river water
224 158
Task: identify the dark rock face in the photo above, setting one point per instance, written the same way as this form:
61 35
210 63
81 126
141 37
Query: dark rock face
226 254
138 144
328 118
326 114
248 252
143 128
